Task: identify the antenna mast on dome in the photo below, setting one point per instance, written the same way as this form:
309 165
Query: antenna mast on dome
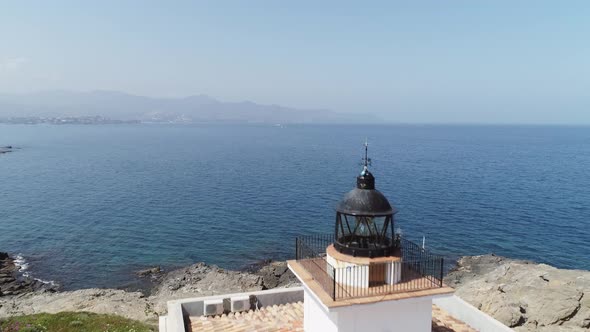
366 159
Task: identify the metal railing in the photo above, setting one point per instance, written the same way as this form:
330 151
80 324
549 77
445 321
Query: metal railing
417 269
310 252
312 246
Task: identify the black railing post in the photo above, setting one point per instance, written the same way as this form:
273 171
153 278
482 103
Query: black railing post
297 248
334 284
441 271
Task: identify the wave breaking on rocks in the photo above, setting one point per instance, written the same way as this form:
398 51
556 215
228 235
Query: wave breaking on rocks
16 280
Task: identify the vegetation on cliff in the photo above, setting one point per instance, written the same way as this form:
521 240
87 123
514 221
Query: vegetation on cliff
72 322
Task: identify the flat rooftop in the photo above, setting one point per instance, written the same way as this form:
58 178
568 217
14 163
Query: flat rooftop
289 317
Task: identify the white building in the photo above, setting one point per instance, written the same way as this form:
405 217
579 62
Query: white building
365 277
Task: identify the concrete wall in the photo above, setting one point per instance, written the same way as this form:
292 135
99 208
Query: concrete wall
178 309
358 275
413 314
392 316
316 317
469 314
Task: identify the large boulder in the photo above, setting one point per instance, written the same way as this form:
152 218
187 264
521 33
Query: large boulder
277 274
524 295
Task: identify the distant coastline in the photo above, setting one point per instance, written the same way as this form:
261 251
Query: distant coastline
107 106
83 120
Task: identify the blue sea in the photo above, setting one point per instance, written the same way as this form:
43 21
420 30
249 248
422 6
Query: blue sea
85 206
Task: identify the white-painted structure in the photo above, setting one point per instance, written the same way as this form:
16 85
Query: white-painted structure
469 314
407 315
392 271
394 315
413 314
178 309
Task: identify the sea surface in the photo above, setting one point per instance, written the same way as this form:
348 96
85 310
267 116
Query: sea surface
85 206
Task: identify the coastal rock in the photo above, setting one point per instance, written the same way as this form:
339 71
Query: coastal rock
201 280
192 281
520 294
13 283
131 305
277 274
154 271
524 295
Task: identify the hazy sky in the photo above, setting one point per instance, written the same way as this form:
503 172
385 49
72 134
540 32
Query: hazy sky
413 61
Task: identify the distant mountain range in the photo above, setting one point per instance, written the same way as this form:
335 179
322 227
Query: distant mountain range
192 109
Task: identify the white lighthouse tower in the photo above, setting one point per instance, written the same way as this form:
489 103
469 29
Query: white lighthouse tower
364 277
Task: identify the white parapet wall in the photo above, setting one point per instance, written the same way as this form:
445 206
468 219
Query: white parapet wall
469 314
178 309
413 314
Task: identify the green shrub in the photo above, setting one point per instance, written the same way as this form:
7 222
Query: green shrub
72 322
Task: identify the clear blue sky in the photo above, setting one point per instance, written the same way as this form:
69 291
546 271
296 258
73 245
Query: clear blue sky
413 61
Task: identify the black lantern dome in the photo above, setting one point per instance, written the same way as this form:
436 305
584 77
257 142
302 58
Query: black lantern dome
364 219
364 199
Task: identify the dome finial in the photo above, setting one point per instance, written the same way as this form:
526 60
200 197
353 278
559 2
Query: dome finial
366 180
366 159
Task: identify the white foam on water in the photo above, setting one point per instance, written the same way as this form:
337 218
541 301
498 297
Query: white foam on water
23 266
46 282
21 263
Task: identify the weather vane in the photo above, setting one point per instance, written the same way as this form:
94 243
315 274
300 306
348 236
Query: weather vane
366 159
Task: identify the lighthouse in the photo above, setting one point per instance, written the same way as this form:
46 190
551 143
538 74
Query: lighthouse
364 276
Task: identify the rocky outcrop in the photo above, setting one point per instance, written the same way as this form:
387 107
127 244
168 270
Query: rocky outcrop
13 283
524 295
276 274
191 281
202 280
133 305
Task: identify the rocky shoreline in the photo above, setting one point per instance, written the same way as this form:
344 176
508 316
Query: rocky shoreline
523 295
14 283
20 295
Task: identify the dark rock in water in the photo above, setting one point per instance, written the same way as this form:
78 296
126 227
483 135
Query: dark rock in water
12 283
149 272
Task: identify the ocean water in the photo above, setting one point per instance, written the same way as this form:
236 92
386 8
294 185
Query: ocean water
85 206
